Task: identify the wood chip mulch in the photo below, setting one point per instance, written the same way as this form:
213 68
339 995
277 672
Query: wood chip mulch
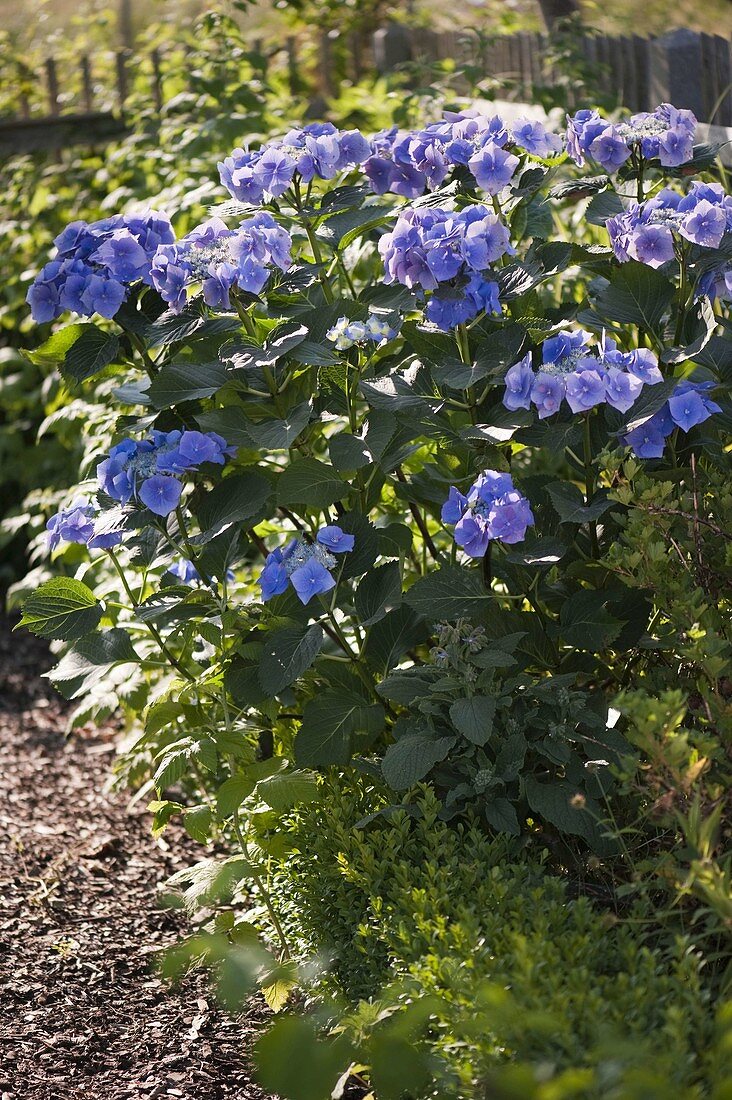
82 1014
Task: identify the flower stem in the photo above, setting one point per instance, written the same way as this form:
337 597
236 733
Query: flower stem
590 485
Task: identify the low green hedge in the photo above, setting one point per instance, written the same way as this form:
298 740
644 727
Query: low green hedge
523 970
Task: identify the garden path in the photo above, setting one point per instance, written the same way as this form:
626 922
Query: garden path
83 1015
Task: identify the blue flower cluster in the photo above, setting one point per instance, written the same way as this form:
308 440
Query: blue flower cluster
218 258
666 133
306 566
345 333
647 231
688 406
446 252
317 150
149 470
95 264
572 371
409 163
76 524
493 509
717 283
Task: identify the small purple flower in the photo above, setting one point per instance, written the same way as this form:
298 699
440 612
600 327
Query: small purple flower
519 381
547 393
706 225
72 524
647 441
654 245
493 167
335 540
621 388
509 518
472 535
493 509
311 579
103 296
609 150
454 506
675 147
161 494
584 390
273 579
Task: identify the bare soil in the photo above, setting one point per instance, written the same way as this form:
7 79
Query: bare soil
82 1014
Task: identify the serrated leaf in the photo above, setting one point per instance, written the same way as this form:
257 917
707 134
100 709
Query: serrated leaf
585 622
379 589
473 717
178 382
570 506
287 789
311 484
451 592
197 823
77 351
236 499
62 608
286 655
391 637
411 757
329 724
232 793
635 295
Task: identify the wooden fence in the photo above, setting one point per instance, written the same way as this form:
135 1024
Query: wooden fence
685 68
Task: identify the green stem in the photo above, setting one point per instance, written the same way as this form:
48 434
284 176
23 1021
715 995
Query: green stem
152 630
265 894
590 484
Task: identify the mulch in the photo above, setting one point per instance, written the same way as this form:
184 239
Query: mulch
82 1014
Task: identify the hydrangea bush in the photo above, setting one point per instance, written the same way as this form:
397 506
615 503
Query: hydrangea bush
376 421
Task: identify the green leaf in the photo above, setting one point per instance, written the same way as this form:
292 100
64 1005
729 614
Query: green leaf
235 499
378 589
604 205
232 793
178 382
553 801
473 717
287 654
287 789
329 724
197 823
411 757
391 637
279 435
62 608
635 295
570 503
295 1062
585 623
348 452
311 484
501 815
452 592
78 351
650 401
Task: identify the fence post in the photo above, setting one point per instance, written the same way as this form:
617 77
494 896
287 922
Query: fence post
121 66
86 84
676 70
293 77
52 82
391 48
641 63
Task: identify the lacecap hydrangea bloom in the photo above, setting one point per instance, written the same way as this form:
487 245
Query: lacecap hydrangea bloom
76 523
572 371
447 253
149 470
96 263
688 406
346 333
306 566
492 509
217 258
408 163
649 231
317 150
666 133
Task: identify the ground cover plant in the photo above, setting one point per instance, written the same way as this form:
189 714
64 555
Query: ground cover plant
402 541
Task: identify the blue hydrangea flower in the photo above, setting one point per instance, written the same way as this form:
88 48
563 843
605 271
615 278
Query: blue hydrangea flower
185 572
574 371
76 524
345 333
408 163
149 469
492 509
317 150
307 566
648 231
96 263
688 406
666 133
434 249
217 259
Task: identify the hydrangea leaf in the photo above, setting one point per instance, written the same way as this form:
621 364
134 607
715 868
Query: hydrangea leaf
450 593
286 655
585 622
311 484
329 724
62 608
378 589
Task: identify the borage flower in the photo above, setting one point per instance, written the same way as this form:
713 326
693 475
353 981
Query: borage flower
306 566
572 370
492 509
